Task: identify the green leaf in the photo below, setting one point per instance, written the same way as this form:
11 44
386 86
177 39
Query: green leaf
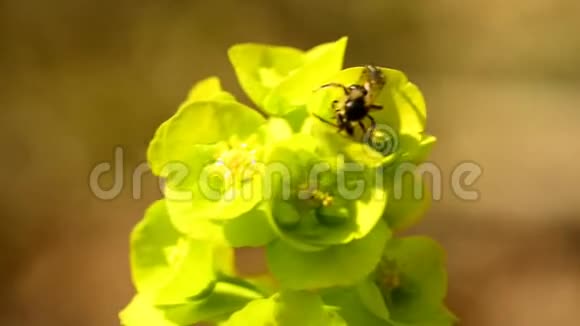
184 217
320 63
410 198
192 272
150 240
415 148
217 306
188 205
198 123
142 312
436 316
413 280
339 265
409 194
286 309
371 297
172 268
279 78
297 117
260 67
275 130
252 229
350 306
406 211
209 89
166 265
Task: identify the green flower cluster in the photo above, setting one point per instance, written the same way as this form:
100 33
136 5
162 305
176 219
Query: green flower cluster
319 202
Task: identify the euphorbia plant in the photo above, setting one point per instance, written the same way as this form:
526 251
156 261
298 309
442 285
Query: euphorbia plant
275 176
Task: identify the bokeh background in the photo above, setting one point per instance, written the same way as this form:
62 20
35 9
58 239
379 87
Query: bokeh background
79 78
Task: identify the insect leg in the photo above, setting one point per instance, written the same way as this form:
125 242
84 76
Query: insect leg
325 121
349 129
346 91
362 125
373 122
375 107
367 132
343 123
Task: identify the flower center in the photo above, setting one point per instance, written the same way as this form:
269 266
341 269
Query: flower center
388 276
235 165
315 195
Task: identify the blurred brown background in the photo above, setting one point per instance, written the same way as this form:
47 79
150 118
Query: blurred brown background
78 78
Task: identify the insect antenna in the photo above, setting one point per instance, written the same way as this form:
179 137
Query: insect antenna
324 120
336 85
